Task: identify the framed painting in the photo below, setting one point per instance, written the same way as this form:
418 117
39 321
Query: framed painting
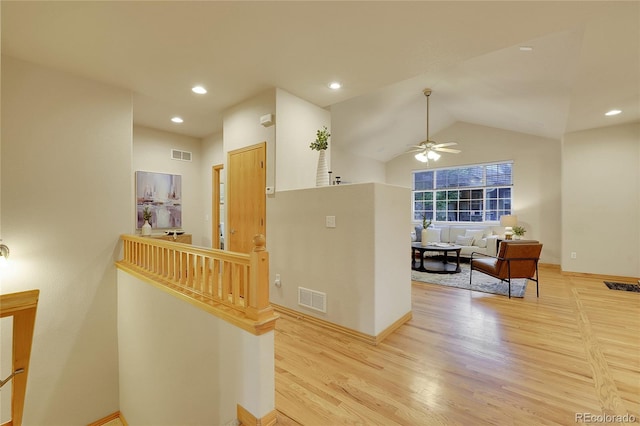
161 193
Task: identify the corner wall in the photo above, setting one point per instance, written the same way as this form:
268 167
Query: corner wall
361 264
67 192
601 201
169 377
297 122
152 153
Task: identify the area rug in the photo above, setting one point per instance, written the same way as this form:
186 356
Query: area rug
481 282
623 286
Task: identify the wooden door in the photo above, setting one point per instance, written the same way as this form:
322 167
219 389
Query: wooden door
246 200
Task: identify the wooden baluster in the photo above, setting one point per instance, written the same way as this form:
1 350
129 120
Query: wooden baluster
198 276
235 282
217 280
258 307
206 276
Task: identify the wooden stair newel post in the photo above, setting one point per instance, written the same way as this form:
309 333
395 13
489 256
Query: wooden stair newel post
259 308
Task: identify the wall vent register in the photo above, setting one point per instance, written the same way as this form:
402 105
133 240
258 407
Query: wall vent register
176 154
312 299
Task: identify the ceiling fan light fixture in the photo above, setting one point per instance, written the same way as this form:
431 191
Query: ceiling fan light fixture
422 157
432 155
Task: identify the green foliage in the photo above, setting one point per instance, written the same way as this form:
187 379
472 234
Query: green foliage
519 230
146 213
425 224
322 139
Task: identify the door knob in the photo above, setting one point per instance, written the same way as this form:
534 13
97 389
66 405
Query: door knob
233 231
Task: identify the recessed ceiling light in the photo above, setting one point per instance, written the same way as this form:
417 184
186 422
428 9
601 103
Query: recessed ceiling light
199 90
177 120
526 49
335 85
613 112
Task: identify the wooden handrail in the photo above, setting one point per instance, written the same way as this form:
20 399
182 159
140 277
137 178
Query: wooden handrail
233 286
22 307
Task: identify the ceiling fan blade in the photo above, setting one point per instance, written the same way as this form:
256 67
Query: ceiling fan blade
416 149
449 150
442 145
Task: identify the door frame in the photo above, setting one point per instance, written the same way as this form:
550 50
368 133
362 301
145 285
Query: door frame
215 205
229 185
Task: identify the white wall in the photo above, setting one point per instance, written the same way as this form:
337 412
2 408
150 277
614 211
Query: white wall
536 175
361 264
601 201
152 153
242 128
67 194
296 124
357 169
169 377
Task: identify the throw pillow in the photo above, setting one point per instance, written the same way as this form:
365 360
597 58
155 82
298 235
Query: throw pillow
476 234
418 234
433 235
481 243
464 241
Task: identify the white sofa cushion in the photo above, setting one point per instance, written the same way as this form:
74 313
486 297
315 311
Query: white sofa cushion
481 243
464 241
477 235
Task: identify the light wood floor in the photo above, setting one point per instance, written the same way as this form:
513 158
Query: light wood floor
470 358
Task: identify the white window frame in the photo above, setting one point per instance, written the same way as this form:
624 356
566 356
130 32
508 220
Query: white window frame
483 187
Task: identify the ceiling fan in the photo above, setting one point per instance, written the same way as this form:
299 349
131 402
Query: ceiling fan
428 149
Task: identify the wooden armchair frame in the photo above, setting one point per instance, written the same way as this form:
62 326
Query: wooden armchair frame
514 260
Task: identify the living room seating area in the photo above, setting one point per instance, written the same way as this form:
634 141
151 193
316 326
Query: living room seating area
479 238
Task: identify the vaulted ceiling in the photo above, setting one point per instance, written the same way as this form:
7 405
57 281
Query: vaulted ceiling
585 61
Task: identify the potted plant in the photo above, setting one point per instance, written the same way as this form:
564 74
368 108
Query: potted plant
321 144
146 216
322 139
425 224
518 231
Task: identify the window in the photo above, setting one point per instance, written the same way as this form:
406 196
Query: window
474 193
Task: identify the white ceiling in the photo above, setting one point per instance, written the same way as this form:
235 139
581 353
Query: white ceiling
585 61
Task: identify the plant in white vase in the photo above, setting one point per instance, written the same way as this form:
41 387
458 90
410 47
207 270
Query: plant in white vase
322 139
321 144
146 216
519 231
425 224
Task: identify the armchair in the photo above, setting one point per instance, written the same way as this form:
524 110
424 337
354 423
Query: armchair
514 260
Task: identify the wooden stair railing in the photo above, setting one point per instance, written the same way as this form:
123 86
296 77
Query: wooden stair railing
22 306
232 286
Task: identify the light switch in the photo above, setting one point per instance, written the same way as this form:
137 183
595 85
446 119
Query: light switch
331 221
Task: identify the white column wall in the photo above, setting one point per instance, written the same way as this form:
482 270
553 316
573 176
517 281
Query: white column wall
601 201
358 264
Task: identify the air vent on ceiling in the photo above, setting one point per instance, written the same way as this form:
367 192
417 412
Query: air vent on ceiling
176 154
312 299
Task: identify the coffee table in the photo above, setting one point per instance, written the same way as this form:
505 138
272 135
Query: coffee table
435 266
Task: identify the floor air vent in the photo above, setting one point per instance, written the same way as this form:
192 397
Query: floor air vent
176 154
312 299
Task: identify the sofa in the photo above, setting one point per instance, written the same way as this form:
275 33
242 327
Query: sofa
480 238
